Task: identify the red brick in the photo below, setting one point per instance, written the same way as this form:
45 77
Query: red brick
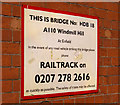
16 10
16 60
1 79
113 80
107 61
103 71
0 36
107 43
102 32
119 87
77 96
103 80
113 71
115 25
98 12
44 103
6 22
57 98
0 98
16 3
118 23
89 4
102 51
101 42
118 51
111 6
15 24
89 100
115 98
69 101
11 23
79 100
99 5
99 99
10 48
103 89
107 99
107 23
16 85
101 61
6 86
6 35
35 100
0 8
79 9
6 9
113 52
113 89
1 20
101 23
104 14
0 50
0 60
10 98
6 60
115 34
57 6
115 61
115 43
92 95
16 35
38 4
59 102
10 73
112 15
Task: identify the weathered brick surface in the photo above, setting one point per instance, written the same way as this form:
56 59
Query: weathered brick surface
7 86
6 22
58 6
16 35
16 60
10 73
89 100
16 85
10 48
10 97
16 10
99 99
109 55
6 60
6 9
69 101
6 35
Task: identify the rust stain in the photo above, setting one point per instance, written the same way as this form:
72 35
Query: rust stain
78 56
31 60
58 58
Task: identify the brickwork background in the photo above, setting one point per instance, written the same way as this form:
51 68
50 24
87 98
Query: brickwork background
109 46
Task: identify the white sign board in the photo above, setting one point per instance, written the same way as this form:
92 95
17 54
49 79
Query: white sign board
59 53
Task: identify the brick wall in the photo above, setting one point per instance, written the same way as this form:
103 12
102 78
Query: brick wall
109 62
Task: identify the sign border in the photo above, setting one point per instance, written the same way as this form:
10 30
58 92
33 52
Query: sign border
22 53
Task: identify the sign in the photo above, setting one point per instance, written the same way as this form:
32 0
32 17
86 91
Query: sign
59 53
